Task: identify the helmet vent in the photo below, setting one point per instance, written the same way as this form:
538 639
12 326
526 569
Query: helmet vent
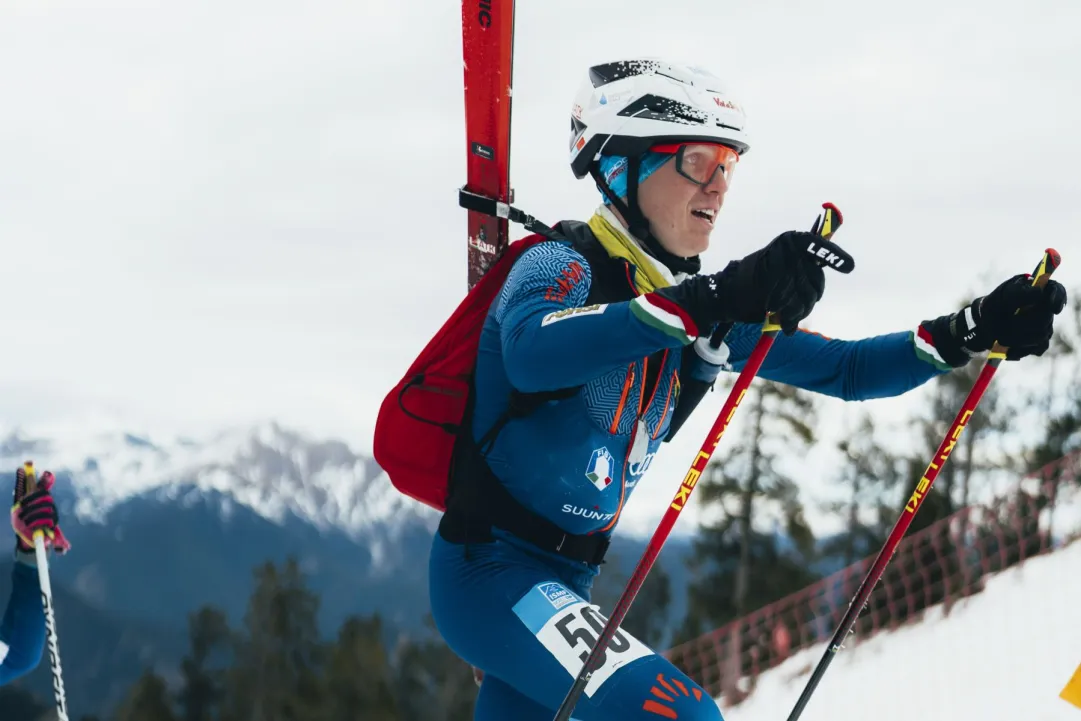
655 107
610 72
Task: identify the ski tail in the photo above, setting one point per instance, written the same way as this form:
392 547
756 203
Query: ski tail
487 47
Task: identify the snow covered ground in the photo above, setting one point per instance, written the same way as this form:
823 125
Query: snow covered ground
1002 655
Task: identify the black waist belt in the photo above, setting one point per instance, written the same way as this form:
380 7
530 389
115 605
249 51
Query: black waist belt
480 502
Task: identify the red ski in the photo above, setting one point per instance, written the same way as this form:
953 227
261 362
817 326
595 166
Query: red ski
487 45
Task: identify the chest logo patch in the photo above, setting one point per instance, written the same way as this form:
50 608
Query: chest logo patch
599 470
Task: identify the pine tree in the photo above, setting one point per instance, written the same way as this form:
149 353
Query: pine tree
869 476
278 670
432 683
203 691
1060 401
148 700
275 668
929 569
746 563
359 675
760 549
945 571
1061 397
990 419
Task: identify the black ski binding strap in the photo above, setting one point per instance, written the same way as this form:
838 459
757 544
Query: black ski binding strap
490 206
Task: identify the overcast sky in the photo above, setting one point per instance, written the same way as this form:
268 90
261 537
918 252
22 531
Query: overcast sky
218 212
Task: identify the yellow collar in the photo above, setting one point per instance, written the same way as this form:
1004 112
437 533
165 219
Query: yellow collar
650 273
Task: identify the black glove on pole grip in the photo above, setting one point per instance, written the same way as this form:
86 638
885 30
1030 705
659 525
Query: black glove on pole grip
825 226
1050 261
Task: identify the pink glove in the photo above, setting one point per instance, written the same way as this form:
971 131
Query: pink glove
35 510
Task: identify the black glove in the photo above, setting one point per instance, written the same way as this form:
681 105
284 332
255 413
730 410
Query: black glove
785 278
995 317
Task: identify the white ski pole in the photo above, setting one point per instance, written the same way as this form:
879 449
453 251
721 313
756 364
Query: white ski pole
50 625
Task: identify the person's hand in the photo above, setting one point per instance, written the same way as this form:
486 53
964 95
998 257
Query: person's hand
785 277
1016 314
35 510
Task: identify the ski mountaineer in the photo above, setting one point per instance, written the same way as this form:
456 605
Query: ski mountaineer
595 351
22 631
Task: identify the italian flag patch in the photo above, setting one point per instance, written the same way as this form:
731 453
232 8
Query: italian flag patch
664 315
925 349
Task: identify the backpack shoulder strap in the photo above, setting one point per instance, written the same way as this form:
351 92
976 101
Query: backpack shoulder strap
611 277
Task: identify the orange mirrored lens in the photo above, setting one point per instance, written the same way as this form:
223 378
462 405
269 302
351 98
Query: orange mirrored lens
700 162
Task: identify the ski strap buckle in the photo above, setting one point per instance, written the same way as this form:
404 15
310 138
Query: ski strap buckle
490 206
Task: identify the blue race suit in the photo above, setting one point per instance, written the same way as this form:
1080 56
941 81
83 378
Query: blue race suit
22 631
521 614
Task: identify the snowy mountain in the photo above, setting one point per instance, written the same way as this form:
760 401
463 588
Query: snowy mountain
161 527
197 515
276 473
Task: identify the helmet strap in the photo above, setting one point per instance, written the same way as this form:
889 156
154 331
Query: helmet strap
638 223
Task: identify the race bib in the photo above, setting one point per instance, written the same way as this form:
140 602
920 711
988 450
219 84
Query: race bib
568 627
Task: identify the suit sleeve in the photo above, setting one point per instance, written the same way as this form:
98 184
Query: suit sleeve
551 339
853 370
22 630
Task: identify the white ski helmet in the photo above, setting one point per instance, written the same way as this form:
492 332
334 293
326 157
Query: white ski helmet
624 107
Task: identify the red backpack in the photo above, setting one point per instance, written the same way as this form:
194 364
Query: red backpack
419 420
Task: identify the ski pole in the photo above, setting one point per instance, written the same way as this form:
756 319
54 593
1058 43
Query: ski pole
830 222
1048 264
50 617
50 626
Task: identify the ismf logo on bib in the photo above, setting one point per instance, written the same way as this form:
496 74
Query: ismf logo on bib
568 627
